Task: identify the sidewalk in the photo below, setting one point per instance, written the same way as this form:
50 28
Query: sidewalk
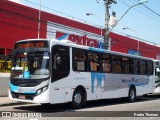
5 101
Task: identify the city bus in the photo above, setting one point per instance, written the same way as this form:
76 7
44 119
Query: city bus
51 72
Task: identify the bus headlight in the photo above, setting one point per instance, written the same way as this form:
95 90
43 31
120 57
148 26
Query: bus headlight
41 90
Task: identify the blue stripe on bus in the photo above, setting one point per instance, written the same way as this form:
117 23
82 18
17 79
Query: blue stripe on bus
13 88
96 49
34 92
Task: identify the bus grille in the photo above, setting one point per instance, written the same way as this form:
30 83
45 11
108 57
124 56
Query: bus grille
26 96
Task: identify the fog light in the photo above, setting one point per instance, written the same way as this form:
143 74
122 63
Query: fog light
39 91
42 90
45 88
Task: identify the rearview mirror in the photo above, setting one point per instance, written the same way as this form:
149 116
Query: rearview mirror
157 69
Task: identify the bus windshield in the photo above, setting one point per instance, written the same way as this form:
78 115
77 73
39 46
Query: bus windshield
30 64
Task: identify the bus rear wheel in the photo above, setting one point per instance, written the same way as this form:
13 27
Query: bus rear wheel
132 94
78 99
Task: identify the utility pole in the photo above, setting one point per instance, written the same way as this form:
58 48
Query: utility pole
39 19
106 37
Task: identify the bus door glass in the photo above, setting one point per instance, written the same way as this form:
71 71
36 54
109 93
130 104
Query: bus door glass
60 62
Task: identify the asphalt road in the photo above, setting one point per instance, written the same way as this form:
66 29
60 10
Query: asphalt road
144 108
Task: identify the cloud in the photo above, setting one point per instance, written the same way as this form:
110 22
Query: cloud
16 1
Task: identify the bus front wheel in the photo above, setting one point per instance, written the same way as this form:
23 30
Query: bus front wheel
132 94
78 98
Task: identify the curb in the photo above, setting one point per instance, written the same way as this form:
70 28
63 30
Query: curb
12 104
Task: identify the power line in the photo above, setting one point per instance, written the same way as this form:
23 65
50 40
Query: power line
70 16
142 7
151 10
140 11
136 37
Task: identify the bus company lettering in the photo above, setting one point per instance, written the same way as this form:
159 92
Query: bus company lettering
129 80
83 40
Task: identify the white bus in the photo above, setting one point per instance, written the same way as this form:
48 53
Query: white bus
52 71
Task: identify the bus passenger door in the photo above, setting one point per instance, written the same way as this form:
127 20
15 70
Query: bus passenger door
60 72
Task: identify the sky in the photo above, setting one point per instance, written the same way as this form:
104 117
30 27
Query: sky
143 22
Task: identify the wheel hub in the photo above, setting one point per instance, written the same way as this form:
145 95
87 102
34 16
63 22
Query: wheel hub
132 94
77 98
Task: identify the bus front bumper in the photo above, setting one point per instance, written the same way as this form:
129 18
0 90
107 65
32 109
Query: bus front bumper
30 98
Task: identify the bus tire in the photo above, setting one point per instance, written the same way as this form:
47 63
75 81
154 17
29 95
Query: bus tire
78 98
132 94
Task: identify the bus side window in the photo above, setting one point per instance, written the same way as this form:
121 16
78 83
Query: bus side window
125 65
79 60
116 64
93 61
142 67
105 63
149 68
135 66
93 66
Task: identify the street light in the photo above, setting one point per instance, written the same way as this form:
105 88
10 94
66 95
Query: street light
127 28
88 14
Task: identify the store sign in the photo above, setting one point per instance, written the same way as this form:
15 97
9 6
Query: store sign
78 36
81 40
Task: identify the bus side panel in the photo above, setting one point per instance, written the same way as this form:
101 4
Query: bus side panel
62 90
122 83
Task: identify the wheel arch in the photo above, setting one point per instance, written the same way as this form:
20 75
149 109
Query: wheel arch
132 86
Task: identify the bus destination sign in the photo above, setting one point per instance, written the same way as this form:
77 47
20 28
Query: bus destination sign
31 44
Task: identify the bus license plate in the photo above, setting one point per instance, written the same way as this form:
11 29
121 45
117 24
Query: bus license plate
22 97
